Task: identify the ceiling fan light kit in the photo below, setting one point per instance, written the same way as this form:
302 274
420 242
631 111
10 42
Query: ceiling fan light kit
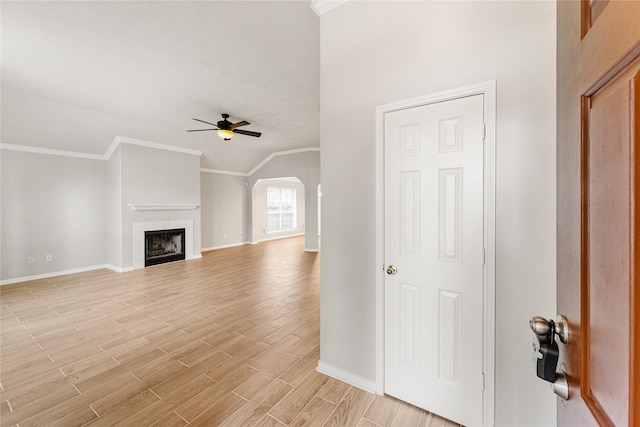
225 134
225 129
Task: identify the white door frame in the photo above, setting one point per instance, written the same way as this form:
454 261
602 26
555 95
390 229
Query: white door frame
488 89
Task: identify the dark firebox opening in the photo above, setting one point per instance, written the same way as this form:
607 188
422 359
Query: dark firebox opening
163 246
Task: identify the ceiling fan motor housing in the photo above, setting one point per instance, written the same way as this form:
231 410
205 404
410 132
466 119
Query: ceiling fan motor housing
224 124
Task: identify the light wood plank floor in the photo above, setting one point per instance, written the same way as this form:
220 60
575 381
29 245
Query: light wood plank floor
230 339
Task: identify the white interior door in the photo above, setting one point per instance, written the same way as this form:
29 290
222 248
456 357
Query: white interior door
434 249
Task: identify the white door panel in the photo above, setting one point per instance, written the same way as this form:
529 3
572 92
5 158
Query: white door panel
434 237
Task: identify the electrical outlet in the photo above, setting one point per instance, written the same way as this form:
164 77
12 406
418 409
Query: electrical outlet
48 257
225 235
30 260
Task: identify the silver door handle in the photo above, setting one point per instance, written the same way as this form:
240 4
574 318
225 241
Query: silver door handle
541 326
391 270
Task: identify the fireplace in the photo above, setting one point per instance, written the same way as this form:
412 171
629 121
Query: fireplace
139 241
162 246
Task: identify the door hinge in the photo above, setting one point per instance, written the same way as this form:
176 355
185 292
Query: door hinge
484 131
484 256
483 382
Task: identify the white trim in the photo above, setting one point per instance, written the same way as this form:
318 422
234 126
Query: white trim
221 172
346 377
53 274
118 140
323 6
162 207
50 151
119 269
311 250
488 89
112 148
232 245
280 237
149 144
281 153
490 108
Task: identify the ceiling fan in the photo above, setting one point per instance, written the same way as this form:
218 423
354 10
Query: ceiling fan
226 129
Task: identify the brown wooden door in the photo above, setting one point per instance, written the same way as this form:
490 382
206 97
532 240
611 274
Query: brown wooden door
599 209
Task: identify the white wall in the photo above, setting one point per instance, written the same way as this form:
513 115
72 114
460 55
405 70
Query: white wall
51 205
260 208
375 53
224 209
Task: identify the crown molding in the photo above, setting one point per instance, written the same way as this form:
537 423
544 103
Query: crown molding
221 172
281 153
50 151
323 6
117 141
262 163
163 206
149 144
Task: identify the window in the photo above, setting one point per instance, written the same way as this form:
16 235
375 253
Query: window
281 208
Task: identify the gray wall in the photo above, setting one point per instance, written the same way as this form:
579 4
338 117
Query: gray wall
76 209
153 176
51 205
113 210
227 201
375 53
224 209
306 167
40 191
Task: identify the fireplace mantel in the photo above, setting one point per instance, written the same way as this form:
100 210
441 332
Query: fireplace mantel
162 207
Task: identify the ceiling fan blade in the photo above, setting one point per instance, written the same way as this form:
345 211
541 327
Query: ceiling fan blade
212 124
237 125
200 130
247 132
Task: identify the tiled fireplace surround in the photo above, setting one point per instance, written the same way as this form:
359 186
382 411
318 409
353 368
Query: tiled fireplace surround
138 237
140 227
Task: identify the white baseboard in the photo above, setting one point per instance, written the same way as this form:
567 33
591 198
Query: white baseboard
280 237
72 271
346 377
119 269
53 274
213 248
311 250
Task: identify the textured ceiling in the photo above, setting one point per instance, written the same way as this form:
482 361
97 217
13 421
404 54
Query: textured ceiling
77 74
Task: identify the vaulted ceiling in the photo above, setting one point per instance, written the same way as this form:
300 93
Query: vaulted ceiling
77 74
